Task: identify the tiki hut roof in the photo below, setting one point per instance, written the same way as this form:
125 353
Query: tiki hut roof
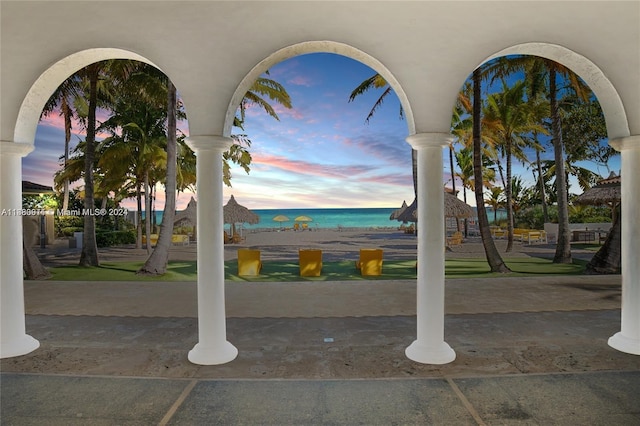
235 213
607 191
35 188
453 207
396 213
189 214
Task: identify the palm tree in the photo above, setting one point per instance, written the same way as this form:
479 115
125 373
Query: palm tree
134 152
89 254
157 263
376 81
63 99
540 109
100 75
239 153
586 178
495 200
493 257
509 109
263 86
553 70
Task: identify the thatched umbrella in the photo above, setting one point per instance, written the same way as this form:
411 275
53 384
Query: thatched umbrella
396 213
608 259
235 213
189 214
453 207
607 191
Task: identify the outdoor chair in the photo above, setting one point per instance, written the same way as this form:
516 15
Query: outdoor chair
249 263
370 262
310 262
455 239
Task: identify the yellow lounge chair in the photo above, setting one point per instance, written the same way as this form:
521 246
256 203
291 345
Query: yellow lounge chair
310 262
370 262
455 239
249 262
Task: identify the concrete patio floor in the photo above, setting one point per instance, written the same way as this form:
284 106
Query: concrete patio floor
529 351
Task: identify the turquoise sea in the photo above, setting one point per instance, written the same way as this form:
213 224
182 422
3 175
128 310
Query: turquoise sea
330 218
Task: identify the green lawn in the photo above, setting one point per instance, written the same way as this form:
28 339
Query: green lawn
331 271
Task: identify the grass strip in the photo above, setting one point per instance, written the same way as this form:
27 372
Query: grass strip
288 271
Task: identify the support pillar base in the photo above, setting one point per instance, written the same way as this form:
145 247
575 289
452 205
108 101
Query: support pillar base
624 344
441 354
213 355
20 346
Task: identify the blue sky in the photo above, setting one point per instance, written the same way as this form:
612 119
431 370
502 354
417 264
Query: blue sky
320 154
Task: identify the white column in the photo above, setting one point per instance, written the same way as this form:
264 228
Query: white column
628 338
14 340
430 347
212 347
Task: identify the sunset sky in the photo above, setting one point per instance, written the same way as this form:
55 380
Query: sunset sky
320 154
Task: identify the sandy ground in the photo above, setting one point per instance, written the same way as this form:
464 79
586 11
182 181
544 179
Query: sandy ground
498 326
284 245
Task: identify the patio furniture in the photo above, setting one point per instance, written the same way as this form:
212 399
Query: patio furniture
310 262
370 262
249 263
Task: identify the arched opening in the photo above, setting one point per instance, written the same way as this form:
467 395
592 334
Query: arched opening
50 80
441 353
317 47
39 95
568 144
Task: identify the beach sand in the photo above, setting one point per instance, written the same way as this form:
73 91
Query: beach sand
284 245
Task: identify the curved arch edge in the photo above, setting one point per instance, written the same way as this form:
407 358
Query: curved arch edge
323 46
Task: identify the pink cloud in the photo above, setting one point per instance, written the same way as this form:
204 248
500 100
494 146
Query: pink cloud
300 80
308 168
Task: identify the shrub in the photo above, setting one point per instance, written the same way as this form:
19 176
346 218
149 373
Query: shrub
69 230
114 238
64 223
531 217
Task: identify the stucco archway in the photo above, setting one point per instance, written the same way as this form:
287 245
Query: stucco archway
317 47
612 107
51 78
15 341
628 339
429 347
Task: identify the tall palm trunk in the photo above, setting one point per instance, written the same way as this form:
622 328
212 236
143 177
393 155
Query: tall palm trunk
493 257
89 255
509 195
607 260
148 213
66 113
414 171
139 213
453 187
543 195
156 264
563 243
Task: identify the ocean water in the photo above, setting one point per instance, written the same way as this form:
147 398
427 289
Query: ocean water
330 218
